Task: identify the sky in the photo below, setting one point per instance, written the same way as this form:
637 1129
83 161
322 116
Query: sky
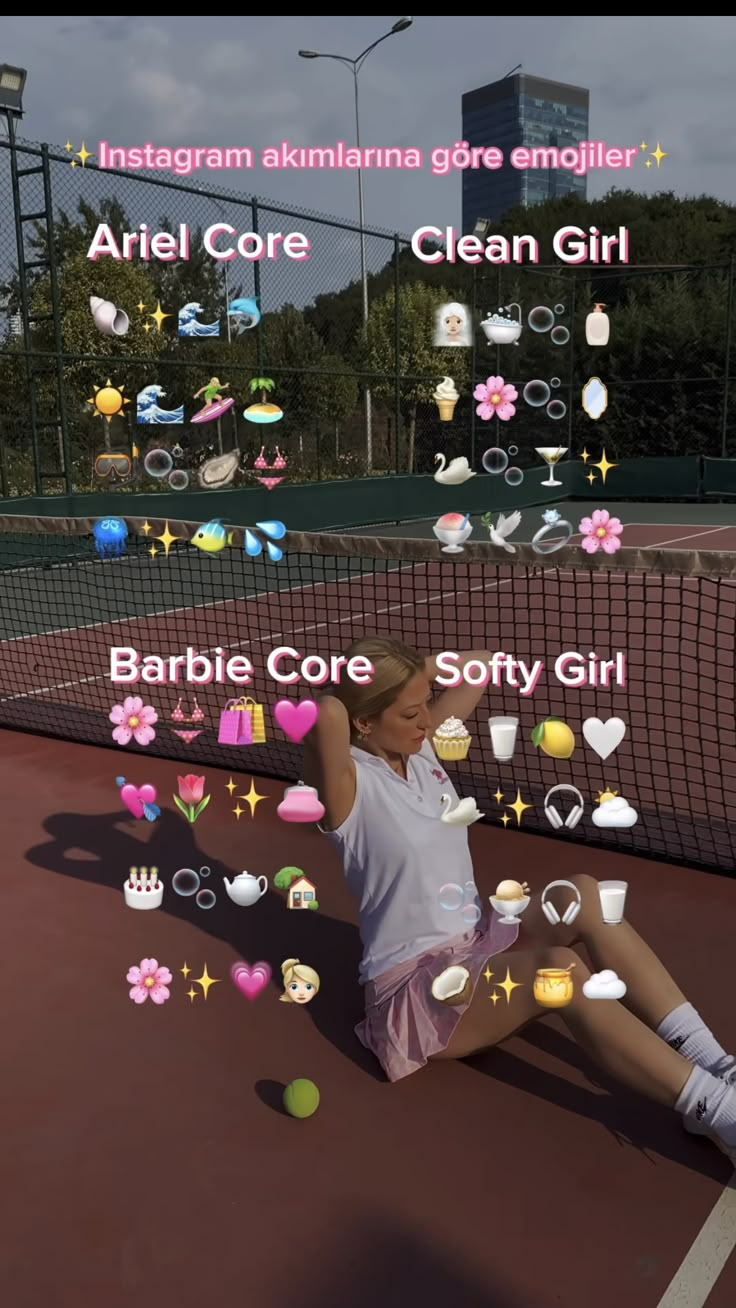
239 81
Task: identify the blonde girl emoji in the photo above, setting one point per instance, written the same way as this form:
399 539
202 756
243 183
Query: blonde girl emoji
301 983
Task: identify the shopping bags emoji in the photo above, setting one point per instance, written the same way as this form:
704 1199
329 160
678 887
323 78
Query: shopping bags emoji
258 725
236 727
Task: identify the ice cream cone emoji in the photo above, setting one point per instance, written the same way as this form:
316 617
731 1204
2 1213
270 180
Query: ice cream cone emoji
446 397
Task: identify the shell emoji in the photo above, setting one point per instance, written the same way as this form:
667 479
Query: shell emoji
109 320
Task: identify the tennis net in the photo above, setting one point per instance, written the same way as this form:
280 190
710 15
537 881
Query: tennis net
670 614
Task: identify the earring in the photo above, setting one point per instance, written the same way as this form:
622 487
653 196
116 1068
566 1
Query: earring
362 735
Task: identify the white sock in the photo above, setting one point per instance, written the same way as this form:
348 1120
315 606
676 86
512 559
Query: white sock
685 1031
711 1103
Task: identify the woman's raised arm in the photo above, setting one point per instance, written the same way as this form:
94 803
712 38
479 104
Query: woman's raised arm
328 764
459 701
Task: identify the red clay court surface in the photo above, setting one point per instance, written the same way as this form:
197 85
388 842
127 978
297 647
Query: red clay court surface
145 1152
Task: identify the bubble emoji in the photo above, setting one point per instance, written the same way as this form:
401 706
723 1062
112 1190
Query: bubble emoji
559 336
158 463
451 897
556 409
513 476
536 393
495 461
541 319
206 899
185 881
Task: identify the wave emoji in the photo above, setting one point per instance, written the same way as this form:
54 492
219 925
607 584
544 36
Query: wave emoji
244 313
150 412
189 324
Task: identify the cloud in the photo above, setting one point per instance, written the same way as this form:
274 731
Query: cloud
615 813
604 985
239 81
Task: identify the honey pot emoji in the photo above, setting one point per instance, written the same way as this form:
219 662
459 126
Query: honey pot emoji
553 987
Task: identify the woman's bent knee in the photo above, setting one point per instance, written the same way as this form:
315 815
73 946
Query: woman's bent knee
559 956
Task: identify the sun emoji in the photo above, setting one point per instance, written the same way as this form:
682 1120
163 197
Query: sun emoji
605 795
108 400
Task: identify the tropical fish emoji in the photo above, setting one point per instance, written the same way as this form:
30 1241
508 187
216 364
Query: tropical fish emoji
212 537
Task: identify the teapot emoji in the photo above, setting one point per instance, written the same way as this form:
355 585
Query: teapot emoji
245 889
301 804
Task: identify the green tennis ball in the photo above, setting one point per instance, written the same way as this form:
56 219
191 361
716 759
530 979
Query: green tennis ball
301 1098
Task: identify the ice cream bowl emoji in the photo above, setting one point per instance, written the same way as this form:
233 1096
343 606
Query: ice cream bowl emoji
452 529
509 909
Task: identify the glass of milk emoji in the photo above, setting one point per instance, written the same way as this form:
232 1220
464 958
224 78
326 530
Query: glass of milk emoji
597 326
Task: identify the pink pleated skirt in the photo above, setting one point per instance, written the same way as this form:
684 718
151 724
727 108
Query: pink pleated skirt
404 1024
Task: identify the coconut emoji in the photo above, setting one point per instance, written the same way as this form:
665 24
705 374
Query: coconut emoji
554 738
452 986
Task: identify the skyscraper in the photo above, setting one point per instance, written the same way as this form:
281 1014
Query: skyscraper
521 110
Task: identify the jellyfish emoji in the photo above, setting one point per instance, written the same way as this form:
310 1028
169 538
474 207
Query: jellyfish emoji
110 536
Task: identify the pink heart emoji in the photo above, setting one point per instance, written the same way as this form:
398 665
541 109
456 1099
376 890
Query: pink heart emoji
296 719
134 797
251 980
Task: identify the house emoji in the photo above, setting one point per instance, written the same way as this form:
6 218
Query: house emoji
302 893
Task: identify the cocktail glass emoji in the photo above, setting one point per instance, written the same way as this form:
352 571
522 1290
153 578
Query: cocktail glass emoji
551 455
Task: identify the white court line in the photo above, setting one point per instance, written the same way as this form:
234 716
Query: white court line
702 1265
313 585
194 608
316 626
275 635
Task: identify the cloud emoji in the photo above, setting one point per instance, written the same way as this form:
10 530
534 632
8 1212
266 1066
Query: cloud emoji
604 985
615 813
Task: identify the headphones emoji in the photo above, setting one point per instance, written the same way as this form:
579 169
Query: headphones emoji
572 910
572 818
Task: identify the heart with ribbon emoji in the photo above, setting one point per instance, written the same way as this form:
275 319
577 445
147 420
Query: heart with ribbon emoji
251 979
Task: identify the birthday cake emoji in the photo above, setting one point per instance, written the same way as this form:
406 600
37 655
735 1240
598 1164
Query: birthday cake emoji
143 888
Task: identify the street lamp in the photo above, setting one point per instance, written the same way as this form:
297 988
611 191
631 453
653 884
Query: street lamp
354 66
12 82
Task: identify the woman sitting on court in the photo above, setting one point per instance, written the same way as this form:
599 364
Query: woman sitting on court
370 758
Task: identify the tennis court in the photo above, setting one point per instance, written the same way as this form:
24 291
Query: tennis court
499 1181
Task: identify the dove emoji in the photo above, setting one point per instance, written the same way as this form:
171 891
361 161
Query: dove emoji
503 528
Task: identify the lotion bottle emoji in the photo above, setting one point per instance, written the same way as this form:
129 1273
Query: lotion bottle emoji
597 326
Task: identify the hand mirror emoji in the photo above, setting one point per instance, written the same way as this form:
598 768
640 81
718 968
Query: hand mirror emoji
246 889
301 804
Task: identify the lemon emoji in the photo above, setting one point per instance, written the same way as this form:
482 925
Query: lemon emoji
554 737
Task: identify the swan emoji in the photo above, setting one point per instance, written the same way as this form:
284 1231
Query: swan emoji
503 528
458 471
464 813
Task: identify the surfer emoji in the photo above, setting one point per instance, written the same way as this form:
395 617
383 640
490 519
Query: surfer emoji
212 537
214 404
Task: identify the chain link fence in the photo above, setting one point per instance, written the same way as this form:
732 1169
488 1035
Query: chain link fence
356 396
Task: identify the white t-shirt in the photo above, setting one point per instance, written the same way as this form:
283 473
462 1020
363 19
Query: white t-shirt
397 857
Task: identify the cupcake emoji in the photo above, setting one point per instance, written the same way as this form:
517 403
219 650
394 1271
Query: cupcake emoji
446 397
451 740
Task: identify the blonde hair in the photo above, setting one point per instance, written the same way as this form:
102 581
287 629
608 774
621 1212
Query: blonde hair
394 666
292 970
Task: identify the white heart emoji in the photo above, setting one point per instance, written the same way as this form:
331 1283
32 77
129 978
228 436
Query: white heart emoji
604 737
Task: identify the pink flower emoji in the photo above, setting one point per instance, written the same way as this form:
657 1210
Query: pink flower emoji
495 397
134 720
149 981
190 799
601 531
